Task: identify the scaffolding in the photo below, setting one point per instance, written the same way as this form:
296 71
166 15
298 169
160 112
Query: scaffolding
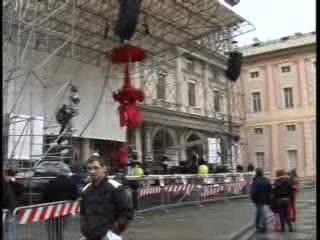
32 95
81 30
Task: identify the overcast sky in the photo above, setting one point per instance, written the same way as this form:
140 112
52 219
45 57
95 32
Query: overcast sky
274 19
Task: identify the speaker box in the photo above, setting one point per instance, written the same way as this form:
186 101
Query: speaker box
127 19
232 2
234 66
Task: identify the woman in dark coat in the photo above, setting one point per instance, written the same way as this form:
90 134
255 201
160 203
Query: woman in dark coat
283 193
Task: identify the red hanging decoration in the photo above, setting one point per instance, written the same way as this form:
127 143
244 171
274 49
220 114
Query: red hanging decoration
122 156
128 96
126 54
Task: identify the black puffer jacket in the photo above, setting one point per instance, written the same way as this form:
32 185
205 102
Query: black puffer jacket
283 187
260 190
104 207
60 188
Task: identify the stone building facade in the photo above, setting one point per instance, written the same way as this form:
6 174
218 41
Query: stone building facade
278 80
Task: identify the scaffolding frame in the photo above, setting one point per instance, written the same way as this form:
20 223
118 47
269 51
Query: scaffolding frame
23 34
76 29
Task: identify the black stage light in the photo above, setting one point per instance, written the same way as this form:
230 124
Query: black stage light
127 19
232 2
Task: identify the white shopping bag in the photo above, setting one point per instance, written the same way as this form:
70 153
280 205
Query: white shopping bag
112 236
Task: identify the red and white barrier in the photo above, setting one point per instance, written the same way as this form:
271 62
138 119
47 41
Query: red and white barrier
178 189
174 189
37 214
235 187
212 191
149 191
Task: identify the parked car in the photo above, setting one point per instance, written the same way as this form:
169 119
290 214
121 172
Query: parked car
50 168
36 179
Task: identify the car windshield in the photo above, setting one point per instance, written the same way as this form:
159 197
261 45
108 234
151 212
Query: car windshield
51 165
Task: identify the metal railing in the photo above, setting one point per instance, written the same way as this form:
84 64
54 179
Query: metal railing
5 224
160 191
52 221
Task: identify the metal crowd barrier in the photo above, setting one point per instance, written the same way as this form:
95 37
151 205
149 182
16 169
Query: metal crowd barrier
161 190
52 221
5 224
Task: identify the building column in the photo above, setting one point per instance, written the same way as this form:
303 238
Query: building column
308 150
303 83
270 89
205 90
182 150
275 164
179 81
148 144
84 149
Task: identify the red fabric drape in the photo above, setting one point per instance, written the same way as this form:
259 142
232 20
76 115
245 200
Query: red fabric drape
122 157
128 96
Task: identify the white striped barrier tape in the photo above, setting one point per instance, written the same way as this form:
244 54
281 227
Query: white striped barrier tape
180 189
148 191
212 191
231 187
234 187
38 214
175 189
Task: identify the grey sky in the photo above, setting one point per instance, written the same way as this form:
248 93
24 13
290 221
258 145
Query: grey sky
274 19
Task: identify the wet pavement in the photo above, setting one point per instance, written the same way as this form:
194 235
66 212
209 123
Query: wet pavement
217 221
304 228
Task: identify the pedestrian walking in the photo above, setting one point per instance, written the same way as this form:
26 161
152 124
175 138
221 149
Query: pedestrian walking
260 195
61 188
8 196
194 162
106 208
295 185
283 193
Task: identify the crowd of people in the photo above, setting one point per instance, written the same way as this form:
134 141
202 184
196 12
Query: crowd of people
279 196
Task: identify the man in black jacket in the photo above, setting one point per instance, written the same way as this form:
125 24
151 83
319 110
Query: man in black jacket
260 195
106 209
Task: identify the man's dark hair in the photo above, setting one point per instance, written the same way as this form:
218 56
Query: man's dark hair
98 159
293 173
259 172
239 168
250 167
